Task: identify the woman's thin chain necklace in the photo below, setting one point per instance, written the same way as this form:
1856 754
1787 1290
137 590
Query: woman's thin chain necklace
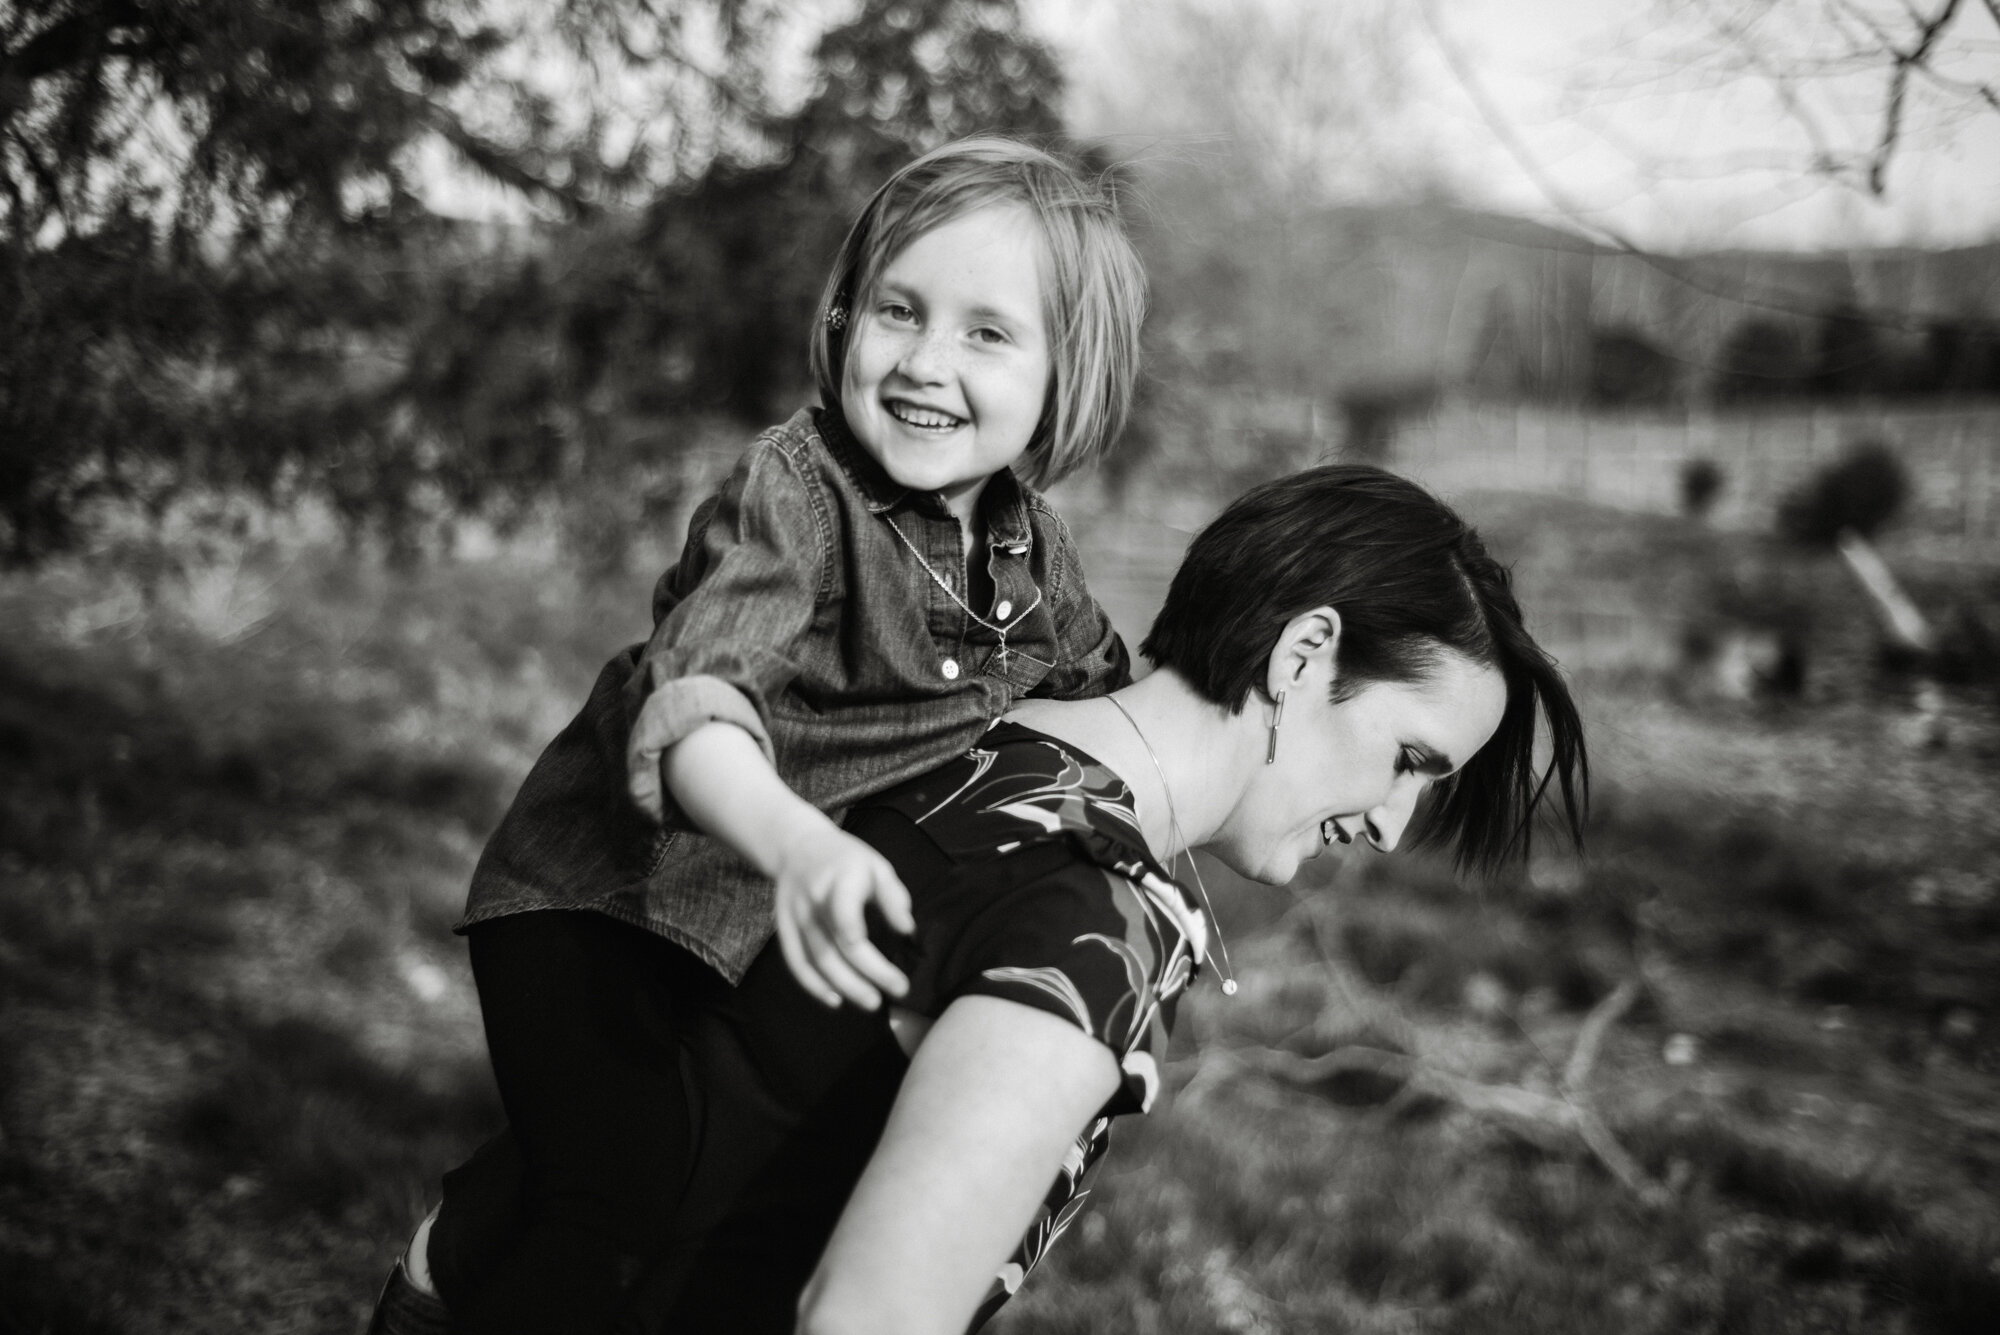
997 628
1180 840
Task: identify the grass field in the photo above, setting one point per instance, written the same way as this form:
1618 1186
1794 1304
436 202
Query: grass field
241 791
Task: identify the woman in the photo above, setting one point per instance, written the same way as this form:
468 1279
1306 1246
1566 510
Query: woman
1336 646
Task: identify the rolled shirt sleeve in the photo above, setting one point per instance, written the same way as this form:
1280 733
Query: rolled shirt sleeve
727 616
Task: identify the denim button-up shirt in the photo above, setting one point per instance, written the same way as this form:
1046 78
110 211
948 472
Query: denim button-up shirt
800 611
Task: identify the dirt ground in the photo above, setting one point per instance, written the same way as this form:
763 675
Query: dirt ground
241 790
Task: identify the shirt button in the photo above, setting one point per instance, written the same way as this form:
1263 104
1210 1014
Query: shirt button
1004 610
950 669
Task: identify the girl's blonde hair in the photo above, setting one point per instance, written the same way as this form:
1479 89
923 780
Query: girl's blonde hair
1092 303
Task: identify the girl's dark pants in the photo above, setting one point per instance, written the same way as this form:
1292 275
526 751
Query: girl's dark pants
611 1048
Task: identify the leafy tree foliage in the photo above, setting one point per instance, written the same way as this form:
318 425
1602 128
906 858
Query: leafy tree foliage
216 268
901 77
219 112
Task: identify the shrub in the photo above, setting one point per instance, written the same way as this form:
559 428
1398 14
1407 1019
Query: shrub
1701 483
1862 492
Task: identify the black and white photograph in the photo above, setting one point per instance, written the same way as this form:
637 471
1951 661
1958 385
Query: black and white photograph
1051 667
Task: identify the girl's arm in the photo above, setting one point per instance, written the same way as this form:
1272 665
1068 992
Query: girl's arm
726 618
824 877
698 751
994 1099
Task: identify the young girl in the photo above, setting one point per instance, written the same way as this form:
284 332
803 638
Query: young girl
868 591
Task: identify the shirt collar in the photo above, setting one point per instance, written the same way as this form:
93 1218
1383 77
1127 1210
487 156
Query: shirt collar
1006 507
879 491
1004 501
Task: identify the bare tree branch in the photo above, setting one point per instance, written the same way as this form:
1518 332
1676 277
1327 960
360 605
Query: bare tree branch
46 177
1590 1037
1541 1117
1613 238
1825 160
1899 82
495 161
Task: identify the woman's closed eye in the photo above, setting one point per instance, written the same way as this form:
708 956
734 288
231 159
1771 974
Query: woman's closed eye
1422 760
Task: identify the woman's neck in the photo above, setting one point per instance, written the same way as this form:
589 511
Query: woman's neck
1184 758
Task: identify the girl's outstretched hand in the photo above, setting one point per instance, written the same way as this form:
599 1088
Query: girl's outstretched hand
825 880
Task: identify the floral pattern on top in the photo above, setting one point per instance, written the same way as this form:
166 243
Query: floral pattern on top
1018 788
1140 943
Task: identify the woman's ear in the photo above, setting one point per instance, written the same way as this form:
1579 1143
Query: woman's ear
1306 650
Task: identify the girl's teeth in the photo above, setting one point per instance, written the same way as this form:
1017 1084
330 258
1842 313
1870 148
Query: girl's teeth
922 417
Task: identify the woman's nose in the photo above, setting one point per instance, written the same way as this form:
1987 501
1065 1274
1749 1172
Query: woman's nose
1386 823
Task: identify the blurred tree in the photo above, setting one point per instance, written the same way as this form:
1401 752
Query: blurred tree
1957 357
1842 506
1260 122
238 121
1629 370
211 229
1500 365
1288 105
1847 357
702 301
210 113
1702 481
741 255
1860 492
218 265
1762 359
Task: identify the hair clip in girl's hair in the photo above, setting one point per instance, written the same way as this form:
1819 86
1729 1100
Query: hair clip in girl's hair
836 318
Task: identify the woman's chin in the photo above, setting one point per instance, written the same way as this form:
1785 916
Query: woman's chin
1266 865
1279 871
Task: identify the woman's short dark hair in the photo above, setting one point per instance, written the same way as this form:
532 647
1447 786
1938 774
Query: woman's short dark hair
1410 580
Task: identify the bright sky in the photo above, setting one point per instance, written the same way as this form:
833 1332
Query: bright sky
1611 116
1597 113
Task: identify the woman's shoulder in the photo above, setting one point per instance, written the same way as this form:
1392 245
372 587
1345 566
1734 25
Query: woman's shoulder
1015 787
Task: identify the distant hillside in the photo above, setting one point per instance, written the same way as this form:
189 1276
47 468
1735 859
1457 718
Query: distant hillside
1350 304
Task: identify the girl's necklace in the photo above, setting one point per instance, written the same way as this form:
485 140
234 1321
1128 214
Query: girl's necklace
998 628
1180 841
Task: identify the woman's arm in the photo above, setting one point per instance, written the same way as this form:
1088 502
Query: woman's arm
994 1099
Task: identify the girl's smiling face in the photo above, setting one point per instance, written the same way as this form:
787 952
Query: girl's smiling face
948 358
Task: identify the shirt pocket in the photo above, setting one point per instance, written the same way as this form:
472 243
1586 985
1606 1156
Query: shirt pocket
1030 653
